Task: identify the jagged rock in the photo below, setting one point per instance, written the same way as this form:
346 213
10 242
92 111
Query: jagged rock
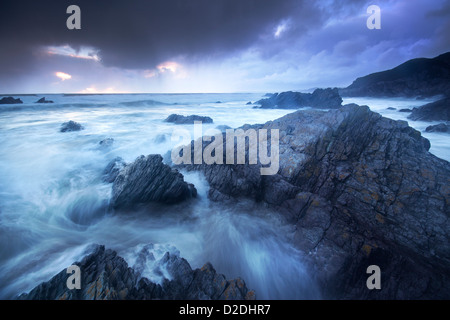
107 276
113 169
417 77
249 103
435 111
179 119
10 100
148 179
320 98
441 127
361 189
71 126
42 100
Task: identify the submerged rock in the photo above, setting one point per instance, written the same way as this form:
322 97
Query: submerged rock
435 111
106 143
71 126
360 189
179 119
113 169
107 276
321 98
148 179
160 138
441 127
10 100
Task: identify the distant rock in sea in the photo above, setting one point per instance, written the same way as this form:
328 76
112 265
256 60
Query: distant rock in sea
359 189
391 108
42 100
435 111
420 77
223 127
249 103
107 276
405 110
148 180
71 126
441 127
106 143
10 100
179 119
321 98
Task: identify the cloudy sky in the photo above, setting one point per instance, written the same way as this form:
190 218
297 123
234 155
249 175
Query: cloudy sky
210 45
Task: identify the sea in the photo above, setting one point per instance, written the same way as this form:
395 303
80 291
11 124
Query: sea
54 204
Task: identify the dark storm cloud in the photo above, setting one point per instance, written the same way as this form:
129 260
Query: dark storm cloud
137 33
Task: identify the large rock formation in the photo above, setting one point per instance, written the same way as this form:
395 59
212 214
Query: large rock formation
107 276
179 119
417 77
320 98
361 190
146 180
435 111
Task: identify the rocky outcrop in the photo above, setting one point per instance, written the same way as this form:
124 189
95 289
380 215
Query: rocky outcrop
71 126
179 119
42 100
360 189
417 77
435 111
10 100
107 276
441 127
147 180
320 98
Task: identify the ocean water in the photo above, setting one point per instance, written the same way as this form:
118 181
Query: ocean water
53 203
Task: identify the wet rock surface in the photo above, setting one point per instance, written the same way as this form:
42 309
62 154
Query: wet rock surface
107 276
148 180
360 189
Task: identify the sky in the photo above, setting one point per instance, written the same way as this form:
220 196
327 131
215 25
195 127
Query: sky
178 46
